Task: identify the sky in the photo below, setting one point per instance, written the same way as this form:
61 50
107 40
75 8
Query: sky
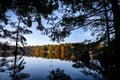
36 38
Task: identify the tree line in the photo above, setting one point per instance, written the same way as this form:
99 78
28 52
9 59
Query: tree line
67 51
102 17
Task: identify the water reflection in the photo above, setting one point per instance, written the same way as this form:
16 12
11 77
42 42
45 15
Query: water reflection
58 75
37 68
16 73
4 54
89 70
14 66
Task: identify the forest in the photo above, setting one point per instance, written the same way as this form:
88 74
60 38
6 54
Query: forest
101 17
67 51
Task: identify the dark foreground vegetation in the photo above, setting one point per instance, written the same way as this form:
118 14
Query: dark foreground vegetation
101 17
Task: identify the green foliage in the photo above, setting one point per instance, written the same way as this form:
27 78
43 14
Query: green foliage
18 33
75 14
89 15
27 9
99 16
27 12
86 14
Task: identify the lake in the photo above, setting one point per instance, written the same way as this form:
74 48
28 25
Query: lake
37 68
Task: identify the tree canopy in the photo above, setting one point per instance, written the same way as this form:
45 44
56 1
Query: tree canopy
97 16
94 15
26 11
63 16
102 17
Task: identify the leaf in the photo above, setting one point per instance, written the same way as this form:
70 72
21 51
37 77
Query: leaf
27 22
22 49
28 31
23 38
38 19
40 27
12 24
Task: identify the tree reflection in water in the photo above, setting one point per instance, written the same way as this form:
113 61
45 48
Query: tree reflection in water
14 67
93 70
58 75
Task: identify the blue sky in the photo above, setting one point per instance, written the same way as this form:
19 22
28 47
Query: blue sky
36 38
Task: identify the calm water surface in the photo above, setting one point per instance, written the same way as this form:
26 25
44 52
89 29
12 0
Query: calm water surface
39 69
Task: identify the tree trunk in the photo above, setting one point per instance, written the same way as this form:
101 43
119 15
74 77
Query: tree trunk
107 23
116 19
116 45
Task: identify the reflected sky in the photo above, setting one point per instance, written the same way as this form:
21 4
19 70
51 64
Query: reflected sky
39 69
